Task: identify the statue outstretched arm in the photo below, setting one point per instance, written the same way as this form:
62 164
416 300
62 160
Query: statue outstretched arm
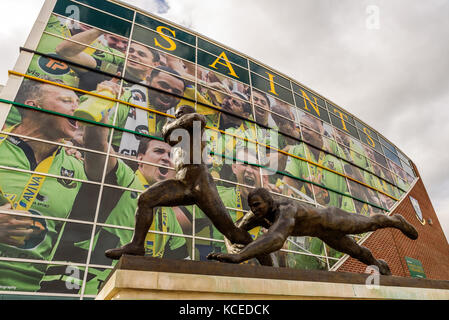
271 241
250 221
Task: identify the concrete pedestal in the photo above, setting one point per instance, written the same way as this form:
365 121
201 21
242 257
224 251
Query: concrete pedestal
145 278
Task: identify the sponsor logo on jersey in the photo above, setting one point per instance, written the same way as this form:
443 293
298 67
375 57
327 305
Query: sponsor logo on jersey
141 129
53 66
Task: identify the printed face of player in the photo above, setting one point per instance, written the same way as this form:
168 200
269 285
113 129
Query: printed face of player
235 106
158 152
285 125
138 56
170 84
246 174
163 60
258 206
176 64
261 114
369 153
60 100
116 43
290 127
310 135
342 138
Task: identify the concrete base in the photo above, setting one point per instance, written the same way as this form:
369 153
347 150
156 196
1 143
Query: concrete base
193 280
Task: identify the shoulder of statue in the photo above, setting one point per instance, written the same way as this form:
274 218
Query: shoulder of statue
287 208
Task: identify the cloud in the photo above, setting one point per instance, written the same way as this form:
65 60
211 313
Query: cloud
153 6
162 6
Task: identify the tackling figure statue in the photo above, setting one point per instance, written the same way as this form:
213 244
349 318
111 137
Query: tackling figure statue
332 225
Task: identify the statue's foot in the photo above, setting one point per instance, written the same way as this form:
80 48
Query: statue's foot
129 248
384 269
406 228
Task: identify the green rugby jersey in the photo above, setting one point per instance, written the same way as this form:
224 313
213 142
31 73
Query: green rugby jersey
305 262
358 154
299 168
46 67
124 214
295 166
107 59
229 142
155 121
54 199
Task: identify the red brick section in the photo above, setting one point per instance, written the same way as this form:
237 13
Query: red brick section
431 247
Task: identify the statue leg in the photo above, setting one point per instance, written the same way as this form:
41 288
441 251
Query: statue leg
216 211
168 193
209 201
349 246
350 223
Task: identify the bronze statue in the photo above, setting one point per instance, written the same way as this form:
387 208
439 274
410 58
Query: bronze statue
332 225
193 184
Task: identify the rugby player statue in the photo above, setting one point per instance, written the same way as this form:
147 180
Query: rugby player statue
290 218
192 185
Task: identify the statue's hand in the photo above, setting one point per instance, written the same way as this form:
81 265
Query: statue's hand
233 248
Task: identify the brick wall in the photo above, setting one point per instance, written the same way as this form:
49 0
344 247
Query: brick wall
431 247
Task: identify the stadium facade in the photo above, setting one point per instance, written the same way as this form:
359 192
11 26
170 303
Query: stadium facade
81 118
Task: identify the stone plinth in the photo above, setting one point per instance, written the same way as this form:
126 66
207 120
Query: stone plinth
159 279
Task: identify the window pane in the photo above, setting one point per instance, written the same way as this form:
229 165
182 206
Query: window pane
166 29
223 66
95 18
156 40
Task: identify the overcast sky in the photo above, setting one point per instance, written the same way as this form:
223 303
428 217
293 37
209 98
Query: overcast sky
384 61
